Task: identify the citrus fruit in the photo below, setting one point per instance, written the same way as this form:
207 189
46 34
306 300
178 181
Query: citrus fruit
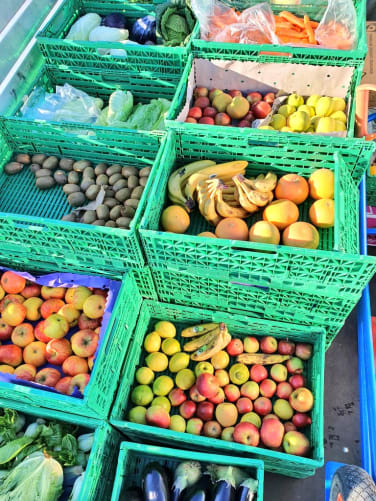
144 375
157 361
170 346
165 329
185 379
152 342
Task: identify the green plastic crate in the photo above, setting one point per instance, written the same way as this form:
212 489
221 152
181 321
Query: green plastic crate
133 458
333 270
238 325
371 189
267 303
101 467
282 53
166 62
100 392
30 218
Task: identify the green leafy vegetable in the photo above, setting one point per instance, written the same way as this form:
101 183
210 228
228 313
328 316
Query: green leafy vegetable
175 22
10 450
148 116
120 106
9 425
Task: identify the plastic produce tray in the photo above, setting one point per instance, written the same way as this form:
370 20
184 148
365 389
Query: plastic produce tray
238 325
335 270
134 457
166 62
30 218
101 467
114 342
282 53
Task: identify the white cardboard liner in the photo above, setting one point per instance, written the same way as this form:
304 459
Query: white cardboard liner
282 78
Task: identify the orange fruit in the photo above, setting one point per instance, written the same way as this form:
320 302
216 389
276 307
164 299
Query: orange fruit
321 213
232 228
281 213
207 234
264 232
321 184
175 219
301 234
292 187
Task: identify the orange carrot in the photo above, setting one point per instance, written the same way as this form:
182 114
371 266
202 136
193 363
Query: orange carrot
314 24
293 19
308 27
290 33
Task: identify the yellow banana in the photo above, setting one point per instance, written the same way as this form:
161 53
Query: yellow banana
226 210
180 175
255 197
197 342
199 330
210 213
243 199
210 349
263 183
261 358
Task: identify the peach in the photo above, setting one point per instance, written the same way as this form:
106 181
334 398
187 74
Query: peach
194 426
5 330
296 443
222 377
11 355
244 405
301 399
267 388
33 305
63 385
271 432
258 373
187 409
26 372
39 333
23 335
77 296
195 395
177 397
284 390
79 382
35 353
228 434
157 416
51 306
232 392
74 365
85 322
52 292
246 433
57 351
14 314
207 385
94 306
12 283
218 398
90 362
48 376
31 290
84 343
7 369
212 429
250 389
268 344
205 411
226 414
251 344
55 326
262 406
9 299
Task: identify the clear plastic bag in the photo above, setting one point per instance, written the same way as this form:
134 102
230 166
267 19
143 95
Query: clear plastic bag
337 29
220 23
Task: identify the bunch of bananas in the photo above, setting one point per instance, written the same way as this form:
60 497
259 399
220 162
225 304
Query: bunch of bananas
208 340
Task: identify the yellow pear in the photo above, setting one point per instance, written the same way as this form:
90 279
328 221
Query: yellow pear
286 129
339 104
324 107
326 124
278 121
299 121
339 126
268 127
295 100
308 109
286 110
339 115
315 121
312 100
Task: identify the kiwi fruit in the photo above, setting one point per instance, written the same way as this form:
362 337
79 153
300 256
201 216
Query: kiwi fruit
122 194
89 217
35 167
109 193
129 171
110 223
115 177
100 169
60 177
116 212
132 202
89 172
66 164
103 212
76 199
129 211
73 177
99 222
50 163
71 188
110 202
81 165
102 180
92 192
123 222
119 185
42 172
143 181
69 217
38 158
23 158
86 182
145 172
45 182
12 168
113 169
137 192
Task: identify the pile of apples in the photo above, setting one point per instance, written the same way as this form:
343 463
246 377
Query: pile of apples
35 324
256 405
218 107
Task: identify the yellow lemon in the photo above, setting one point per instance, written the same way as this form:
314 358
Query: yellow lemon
339 115
178 362
308 109
144 375
177 423
142 395
170 346
312 100
286 110
324 106
299 121
278 121
162 386
162 402
137 415
185 379
339 104
295 100
157 362
325 125
152 342
165 329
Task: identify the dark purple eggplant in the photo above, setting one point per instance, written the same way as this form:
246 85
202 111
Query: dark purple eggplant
224 491
132 494
247 490
155 483
200 491
185 475
226 479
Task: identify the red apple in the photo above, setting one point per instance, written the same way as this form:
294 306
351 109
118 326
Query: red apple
246 433
212 429
296 443
190 120
269 98
84 343
244 405
232 392
222 377
63 385
284 390
207 385
209 111
218 398
271 432
268 344
5 331
278 372
301 400
195 395
251 344
39 333
286 347
157 416
261 109
289 426
258 373
57 351
301 420
48 377
195 112
200 92
206 121
202 102
214 92
31 290
235 347
177 397
295 365
249 116
303 351
205 411
267 388
222 119
187 409
85 322
254 97
244 123
250 389
234 93
297 381
262 406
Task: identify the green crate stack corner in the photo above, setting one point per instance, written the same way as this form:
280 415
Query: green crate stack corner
100 471
357 152
101 391
239 325
310 55
371 190
189 269
165 62
30 218
134 457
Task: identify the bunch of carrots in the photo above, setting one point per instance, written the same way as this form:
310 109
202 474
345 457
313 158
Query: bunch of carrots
292 29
